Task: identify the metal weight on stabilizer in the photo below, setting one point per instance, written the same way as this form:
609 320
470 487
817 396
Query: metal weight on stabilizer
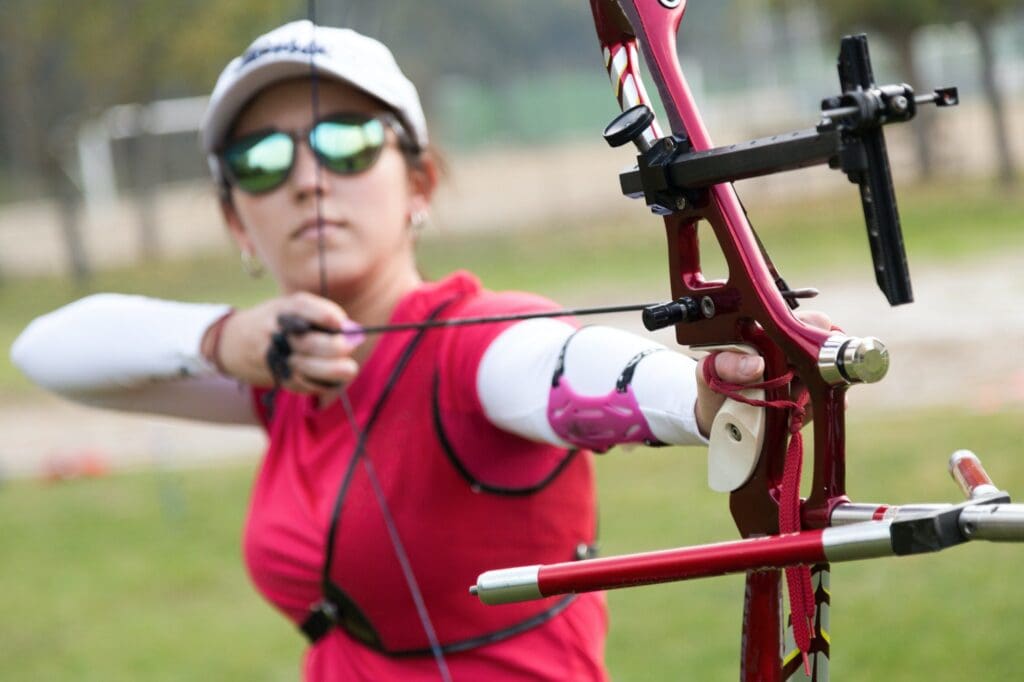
850 360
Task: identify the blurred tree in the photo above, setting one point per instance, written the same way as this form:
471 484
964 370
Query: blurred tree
488 42
38 96
143 50
981 16
61 66
896 22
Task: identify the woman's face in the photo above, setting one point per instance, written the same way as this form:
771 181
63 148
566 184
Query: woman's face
364 217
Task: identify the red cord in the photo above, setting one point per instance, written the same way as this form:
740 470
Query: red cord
798 578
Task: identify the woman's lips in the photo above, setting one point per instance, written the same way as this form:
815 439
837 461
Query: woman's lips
310 230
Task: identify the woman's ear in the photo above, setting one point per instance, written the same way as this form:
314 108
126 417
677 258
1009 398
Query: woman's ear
423 179
234 224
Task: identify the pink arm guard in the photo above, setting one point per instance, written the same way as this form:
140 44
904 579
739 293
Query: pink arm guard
598 422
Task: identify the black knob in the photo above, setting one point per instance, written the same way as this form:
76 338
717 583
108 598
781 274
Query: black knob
629 126
663 315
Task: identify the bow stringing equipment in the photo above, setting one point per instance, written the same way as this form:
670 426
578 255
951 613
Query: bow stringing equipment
756 453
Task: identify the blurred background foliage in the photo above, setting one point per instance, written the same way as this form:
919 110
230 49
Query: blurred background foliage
138 576
102 99
530 67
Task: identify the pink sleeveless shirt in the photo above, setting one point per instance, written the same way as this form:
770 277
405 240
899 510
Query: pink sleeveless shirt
465 497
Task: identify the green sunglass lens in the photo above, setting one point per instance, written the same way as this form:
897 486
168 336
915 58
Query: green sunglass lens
261 164
348 147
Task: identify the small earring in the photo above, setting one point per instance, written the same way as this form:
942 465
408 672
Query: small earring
251 265
419 219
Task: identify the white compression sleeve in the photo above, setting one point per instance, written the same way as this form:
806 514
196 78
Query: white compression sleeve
514 378
132 353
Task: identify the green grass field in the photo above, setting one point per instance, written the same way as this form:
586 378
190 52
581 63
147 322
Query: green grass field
139 577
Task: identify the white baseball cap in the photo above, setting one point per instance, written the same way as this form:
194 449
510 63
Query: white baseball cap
301 48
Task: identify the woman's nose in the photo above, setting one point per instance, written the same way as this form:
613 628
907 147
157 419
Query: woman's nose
307 175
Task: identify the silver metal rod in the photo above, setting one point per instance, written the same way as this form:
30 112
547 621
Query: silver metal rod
858 512
839 112
994 522
868 540
506 585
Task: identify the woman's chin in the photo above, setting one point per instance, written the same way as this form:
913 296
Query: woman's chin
339 274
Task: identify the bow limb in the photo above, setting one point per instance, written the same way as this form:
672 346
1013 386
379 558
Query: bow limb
621 59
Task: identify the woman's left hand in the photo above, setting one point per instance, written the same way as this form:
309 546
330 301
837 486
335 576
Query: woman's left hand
737 368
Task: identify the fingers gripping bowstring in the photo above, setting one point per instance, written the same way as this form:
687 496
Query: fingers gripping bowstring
358 435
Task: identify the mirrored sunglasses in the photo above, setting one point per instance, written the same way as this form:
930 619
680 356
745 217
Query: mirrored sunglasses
345 144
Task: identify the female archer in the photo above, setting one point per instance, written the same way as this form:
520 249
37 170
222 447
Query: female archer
399 466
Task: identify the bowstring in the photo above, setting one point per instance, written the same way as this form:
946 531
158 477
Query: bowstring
389 521
398 546
314 88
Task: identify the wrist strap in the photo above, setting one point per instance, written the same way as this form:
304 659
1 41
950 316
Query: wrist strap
213 334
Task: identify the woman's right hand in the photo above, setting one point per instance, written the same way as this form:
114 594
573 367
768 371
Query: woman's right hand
320 362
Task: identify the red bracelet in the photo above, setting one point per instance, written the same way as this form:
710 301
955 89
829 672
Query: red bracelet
213 334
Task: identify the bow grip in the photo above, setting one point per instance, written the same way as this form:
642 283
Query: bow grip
736 435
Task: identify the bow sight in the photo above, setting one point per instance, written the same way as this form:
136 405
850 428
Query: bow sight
671 176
